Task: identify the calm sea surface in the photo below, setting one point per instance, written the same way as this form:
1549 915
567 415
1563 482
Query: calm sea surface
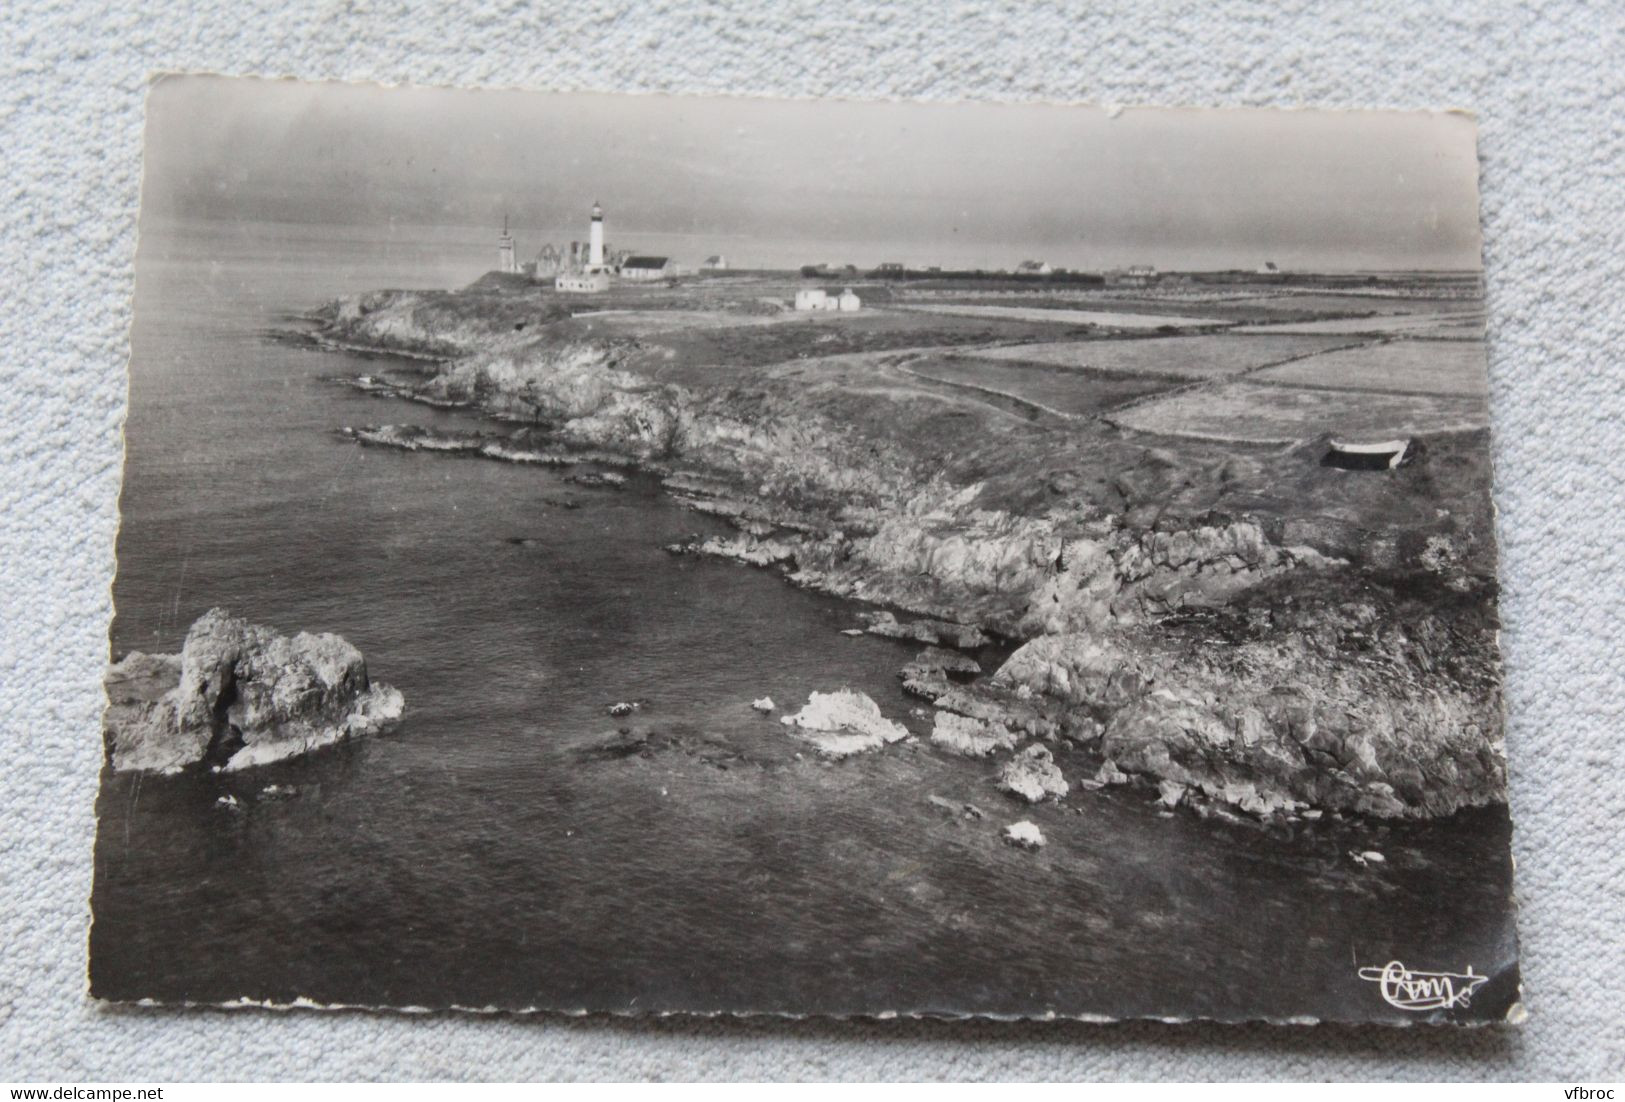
488 853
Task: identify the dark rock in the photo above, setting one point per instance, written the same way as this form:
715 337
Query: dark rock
240 695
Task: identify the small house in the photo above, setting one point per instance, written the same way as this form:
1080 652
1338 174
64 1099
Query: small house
647 268
819 299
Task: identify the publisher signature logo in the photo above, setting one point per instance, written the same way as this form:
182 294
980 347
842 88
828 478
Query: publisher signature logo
1410 990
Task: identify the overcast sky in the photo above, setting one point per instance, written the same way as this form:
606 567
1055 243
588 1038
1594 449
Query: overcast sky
786 182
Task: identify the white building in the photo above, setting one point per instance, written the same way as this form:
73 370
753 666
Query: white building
595 238
647 268
816 299
584 272
1033 267
715 264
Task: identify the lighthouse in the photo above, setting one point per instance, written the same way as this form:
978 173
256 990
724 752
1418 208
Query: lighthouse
586 273
595 240
505 260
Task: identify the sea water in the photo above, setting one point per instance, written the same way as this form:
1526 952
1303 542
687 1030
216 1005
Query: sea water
498 850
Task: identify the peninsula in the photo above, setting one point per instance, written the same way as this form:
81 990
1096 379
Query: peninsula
1136 488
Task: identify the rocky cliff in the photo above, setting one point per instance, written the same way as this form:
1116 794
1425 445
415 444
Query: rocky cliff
240 695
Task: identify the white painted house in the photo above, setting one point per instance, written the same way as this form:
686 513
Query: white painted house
816 299
646 268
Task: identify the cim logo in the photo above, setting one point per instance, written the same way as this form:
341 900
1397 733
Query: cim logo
1410 990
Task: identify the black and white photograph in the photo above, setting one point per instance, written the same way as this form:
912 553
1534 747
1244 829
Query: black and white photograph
640 554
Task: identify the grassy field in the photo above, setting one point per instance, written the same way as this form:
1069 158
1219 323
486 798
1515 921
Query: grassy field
1404 367
1411 324
1243 305
1069 392
643 323
1352 304
1019 364
698 356
1109 318
1258 413
1208 356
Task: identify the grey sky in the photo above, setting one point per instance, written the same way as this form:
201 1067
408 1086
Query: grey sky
779 182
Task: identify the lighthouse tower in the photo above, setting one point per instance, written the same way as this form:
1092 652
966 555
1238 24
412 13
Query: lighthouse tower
505 260
595 240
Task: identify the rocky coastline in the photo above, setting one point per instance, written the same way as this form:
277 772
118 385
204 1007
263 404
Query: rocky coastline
1237 626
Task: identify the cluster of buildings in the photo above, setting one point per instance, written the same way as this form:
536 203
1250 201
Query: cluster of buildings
590 267
594 266
1135 275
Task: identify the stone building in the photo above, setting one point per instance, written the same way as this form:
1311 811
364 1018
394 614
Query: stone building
549 262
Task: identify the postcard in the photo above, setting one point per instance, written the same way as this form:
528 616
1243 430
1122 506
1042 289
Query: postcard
638 555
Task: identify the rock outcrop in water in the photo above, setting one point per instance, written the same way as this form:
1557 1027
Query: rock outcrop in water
240 695
974 738
1024 835
744 548
934 671
1033 775
932 632
1245 622
842 723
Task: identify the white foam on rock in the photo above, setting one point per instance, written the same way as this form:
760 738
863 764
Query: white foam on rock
1024 834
